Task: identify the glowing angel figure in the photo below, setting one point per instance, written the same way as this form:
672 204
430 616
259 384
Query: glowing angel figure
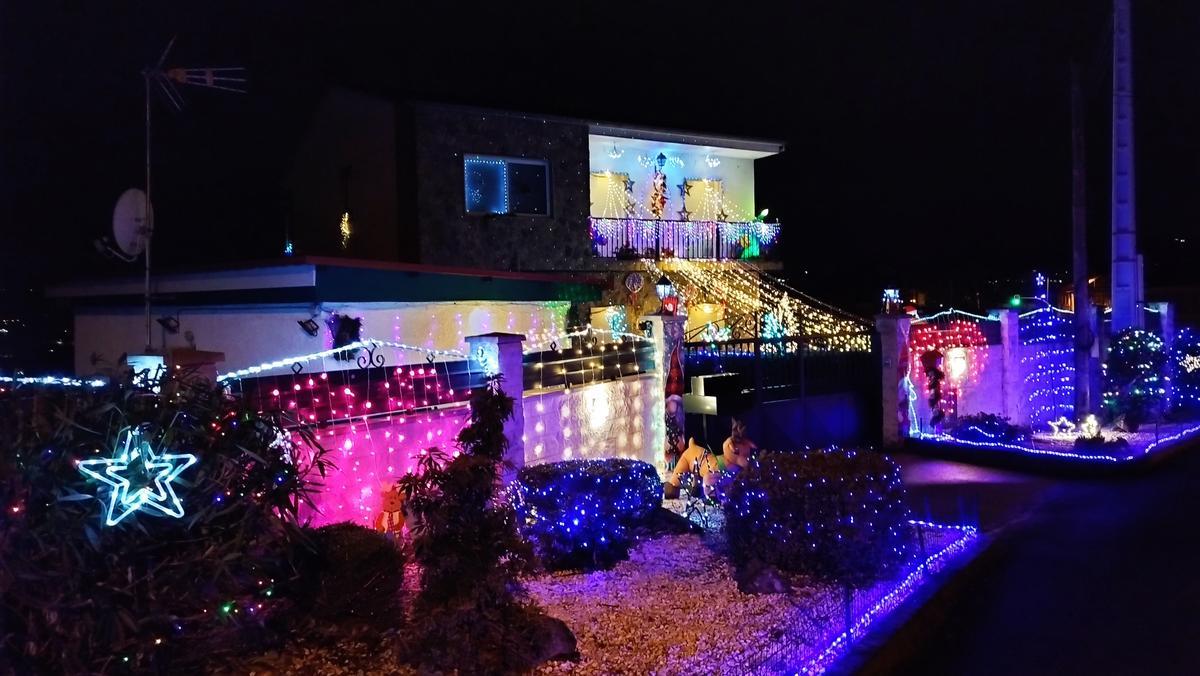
138 477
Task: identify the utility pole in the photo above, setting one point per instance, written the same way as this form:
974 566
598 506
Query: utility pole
1126 264
1079 258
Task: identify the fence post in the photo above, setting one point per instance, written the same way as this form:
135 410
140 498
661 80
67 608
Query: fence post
894 404
1011 391
667 333
501 353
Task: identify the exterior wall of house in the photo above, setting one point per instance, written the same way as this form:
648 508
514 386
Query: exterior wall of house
251 335
612 419
451 236
350 146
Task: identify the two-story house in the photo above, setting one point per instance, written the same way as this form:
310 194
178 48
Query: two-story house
451 185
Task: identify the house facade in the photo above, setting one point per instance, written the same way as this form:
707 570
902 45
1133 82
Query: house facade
451 185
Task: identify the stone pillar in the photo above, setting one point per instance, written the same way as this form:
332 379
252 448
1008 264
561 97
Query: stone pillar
1011 391
500 353
895 409
667 333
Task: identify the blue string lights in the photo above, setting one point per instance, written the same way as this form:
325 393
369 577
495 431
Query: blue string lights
1135 386
1185 360
821 661
836 513
485 185
582 512
1047 340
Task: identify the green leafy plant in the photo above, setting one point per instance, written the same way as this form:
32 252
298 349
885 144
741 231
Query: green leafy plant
151 593
353 577
836 514
467 617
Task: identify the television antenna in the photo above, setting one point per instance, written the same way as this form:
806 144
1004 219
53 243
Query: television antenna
165 81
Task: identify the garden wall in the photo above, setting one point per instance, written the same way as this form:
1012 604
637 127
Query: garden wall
372 454
251 335
617 418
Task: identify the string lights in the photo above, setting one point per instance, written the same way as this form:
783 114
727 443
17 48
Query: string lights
582 512
694 239
749 293
60 381
1186 358
964 356
1047 358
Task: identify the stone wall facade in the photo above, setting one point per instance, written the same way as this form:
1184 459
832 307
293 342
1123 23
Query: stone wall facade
448 235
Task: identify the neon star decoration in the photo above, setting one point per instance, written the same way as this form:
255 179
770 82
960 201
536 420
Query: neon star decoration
138 478
1062 427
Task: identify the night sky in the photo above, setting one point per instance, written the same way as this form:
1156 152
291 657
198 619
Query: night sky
928 143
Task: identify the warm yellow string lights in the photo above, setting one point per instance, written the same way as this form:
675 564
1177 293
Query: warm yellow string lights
745 290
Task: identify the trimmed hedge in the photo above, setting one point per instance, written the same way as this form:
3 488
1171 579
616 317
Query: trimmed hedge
581 513
835 514
354 575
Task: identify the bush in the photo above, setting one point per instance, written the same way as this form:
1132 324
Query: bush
1185 358
835 514
354 575
986 428
580 513
1134 386
150 593
467 618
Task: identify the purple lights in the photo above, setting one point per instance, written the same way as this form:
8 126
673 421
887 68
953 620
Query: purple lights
888 601
1151 446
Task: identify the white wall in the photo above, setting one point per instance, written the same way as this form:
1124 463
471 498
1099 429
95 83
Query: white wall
617 418
250 335
735 173
983 394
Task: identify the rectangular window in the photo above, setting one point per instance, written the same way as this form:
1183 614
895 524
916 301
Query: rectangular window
506 185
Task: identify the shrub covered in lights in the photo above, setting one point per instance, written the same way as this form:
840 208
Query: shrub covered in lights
1134 387
986 428
582 513
1185 359
95 580
836 514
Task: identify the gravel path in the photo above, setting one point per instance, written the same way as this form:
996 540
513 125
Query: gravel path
672 608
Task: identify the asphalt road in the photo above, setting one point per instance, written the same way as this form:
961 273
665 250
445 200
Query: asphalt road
1088 577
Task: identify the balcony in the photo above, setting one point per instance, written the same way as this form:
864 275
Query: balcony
635 238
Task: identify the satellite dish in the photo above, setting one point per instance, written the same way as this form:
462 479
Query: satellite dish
131 228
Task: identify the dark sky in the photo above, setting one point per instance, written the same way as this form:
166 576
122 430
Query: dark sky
928 142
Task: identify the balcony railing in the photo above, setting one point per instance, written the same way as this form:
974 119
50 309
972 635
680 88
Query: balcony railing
632 238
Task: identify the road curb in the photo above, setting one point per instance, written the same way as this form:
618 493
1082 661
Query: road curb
1046 466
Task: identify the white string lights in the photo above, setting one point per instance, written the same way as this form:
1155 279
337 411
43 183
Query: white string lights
752 293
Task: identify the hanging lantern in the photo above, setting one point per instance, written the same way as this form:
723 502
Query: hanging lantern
663 287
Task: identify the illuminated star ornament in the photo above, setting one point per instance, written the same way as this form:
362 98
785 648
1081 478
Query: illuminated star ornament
138 478
1062 427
